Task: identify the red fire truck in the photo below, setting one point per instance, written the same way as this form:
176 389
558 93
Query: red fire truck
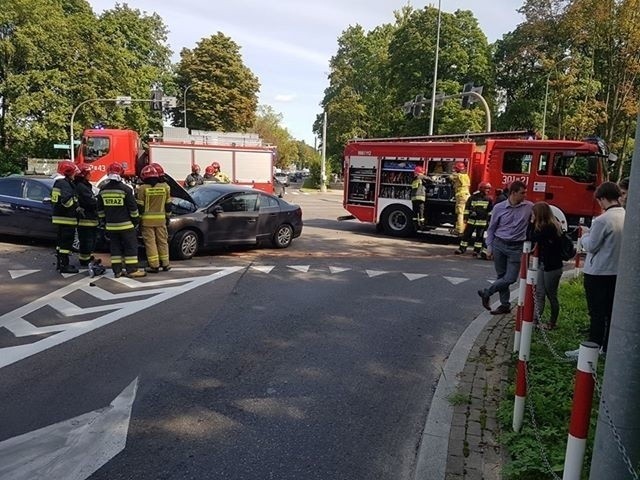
241 156
378 174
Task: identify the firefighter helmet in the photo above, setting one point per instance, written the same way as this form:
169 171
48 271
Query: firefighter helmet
484 186
149 171
459 167
85 171
115 169
209 170
215 165
418 170
158 168
195 168
67 168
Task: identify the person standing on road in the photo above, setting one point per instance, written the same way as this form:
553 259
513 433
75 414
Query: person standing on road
208 174
118 209
545 231
477 211
87 214
505 238
194 178
64 217
154 202
602 242
418 196
461 184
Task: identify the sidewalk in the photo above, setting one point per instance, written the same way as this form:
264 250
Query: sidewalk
474 451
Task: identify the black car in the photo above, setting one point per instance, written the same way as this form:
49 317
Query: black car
217 214
25 206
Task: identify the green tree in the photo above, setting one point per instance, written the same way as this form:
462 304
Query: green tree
268 126
224 92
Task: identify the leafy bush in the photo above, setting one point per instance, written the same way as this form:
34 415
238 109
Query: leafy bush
551 383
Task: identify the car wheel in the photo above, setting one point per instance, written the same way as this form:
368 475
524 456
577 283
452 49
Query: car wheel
397 221
185 244
283 236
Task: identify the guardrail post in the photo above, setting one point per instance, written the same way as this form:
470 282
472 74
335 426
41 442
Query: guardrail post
525 347
580 411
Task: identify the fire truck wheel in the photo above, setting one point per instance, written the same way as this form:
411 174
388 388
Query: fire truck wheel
185 245
283 236
397 221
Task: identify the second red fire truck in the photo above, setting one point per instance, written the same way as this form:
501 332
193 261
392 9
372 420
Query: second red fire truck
241 156
378 175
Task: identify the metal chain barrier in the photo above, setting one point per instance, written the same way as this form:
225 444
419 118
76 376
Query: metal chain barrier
534 423
614 430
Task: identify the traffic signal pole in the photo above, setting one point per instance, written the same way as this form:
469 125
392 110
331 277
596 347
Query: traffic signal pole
616 453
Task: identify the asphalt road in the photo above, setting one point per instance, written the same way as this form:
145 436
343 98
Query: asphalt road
314 362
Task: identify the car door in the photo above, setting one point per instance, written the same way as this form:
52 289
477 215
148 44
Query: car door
269 216
37 209
10 205
233 219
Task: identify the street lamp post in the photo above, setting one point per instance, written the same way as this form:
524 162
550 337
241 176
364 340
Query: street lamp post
435 72
546 95
184 103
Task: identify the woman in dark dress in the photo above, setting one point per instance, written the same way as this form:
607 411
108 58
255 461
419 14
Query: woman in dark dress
545 231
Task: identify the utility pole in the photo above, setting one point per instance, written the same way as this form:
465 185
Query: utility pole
621 381
323 170
435 72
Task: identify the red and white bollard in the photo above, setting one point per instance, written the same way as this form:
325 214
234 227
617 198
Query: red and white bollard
522 286
525 349
580 411
578 247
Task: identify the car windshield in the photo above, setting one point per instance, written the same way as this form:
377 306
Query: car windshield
205 195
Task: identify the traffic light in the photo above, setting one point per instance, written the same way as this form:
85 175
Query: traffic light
417 106
156 100
468 87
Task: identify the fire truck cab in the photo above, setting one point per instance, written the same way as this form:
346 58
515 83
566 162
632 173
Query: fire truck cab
379 173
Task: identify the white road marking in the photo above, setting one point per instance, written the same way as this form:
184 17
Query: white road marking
338 269
72 449
375 273
20 273
300 268
14 321
263 269
415 276
455 280
67 275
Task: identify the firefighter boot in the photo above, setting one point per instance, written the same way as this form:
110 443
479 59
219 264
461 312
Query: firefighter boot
63 260
137 273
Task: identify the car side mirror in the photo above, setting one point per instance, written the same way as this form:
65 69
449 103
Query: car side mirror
217 210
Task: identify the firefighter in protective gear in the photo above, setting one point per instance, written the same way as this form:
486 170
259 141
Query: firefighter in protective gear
208 174
87 214
194 178
65 203
477 213
218 175
418 195
160 171
461 183
154 204
118 209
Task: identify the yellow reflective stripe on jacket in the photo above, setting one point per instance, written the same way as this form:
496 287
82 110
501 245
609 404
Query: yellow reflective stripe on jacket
64 221
153 216
87 222
119 226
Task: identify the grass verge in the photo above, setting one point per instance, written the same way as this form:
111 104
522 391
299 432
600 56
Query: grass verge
551 383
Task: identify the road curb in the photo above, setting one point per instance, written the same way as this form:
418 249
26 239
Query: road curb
434 444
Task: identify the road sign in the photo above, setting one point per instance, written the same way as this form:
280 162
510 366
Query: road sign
169 102
123 100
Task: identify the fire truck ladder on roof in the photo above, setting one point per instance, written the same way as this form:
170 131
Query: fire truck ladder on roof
458 137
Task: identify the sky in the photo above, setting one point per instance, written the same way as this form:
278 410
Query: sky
287 44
